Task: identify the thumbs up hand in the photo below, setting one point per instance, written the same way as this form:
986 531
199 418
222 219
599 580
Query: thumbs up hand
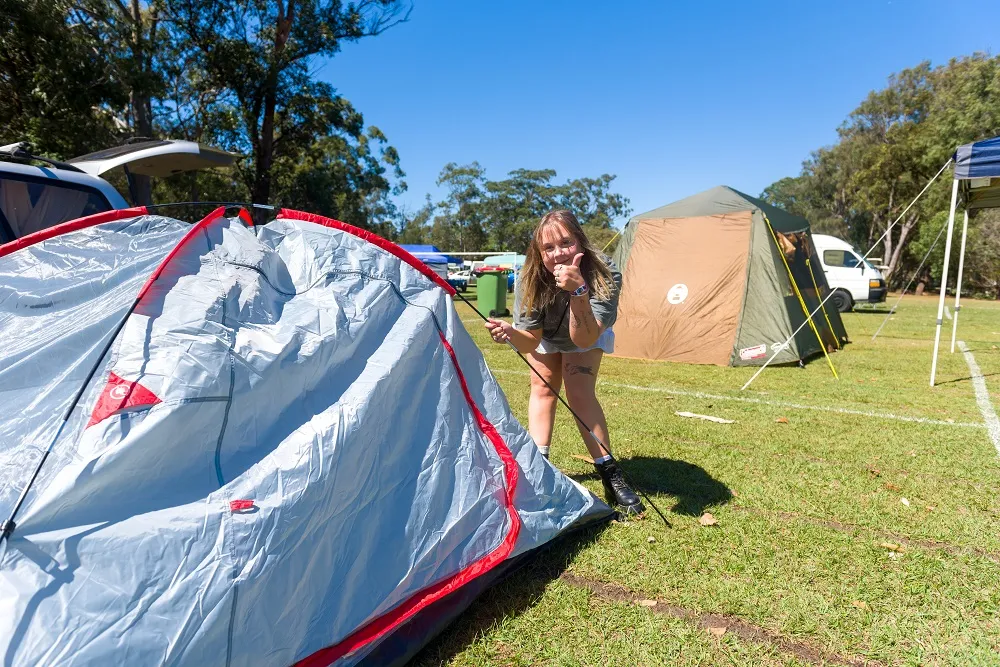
568 276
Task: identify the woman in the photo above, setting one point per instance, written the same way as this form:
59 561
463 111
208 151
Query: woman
567 301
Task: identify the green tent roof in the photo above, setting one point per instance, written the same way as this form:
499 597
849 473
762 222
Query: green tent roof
724 199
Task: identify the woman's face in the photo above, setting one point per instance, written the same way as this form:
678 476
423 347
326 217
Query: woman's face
557 245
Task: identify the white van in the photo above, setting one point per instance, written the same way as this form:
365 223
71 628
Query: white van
852 278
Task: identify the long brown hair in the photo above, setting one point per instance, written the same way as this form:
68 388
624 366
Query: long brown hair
538 286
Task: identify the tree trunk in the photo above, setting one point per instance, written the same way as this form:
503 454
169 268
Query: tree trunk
265 152
142 185
265 145
897 253
142 117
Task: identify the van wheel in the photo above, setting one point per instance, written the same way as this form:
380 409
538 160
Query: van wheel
842 301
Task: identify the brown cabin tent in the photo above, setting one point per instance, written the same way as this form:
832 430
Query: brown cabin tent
706 283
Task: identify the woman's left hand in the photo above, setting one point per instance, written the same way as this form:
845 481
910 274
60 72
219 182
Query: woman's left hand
568 276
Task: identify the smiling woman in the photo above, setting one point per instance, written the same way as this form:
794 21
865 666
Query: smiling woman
565 306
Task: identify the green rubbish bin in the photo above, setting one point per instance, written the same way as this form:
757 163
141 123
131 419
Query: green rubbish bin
491 293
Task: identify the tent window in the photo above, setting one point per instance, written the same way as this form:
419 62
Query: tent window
844 258
30 205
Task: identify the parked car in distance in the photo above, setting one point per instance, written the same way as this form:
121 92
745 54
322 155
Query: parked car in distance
459 280
852 278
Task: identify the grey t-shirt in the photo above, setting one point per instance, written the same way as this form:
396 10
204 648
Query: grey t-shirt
554 320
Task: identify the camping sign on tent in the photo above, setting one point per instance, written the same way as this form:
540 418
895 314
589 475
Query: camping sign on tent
293 452
721 278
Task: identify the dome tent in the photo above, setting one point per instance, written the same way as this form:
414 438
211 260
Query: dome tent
704 282
292 454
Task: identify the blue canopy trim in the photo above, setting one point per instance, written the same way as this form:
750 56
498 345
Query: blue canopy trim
980 159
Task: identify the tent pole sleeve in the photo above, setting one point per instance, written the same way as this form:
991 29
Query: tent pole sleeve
944 277
795 287
819 296
958 283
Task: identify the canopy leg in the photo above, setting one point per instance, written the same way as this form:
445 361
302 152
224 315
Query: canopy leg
944 277
958 285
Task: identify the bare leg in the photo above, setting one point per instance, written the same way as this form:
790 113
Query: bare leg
542 402
580 371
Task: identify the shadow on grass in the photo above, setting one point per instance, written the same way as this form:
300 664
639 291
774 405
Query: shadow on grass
965 379
520 590
694 488
871 311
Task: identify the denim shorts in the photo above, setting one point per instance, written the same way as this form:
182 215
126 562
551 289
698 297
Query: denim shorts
605 342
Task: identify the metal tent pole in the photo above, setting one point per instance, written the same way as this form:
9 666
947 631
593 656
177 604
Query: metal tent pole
944 277
958 285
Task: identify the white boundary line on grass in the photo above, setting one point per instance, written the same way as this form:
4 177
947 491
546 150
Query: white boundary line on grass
982 396
780 404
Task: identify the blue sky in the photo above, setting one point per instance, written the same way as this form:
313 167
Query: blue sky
671 97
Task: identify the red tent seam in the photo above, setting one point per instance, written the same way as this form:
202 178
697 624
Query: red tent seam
386 623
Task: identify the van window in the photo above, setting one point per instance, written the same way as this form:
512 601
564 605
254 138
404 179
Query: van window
844 258
28 204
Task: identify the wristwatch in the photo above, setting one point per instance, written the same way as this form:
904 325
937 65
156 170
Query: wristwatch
580 291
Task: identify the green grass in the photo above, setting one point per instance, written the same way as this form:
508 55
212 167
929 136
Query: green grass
804 510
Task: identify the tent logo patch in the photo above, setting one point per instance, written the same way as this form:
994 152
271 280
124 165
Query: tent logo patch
755 352
119 395
677 293
119 392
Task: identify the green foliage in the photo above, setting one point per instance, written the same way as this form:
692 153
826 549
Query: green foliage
57 85
82 75
252 89
480 214
888 149
981 271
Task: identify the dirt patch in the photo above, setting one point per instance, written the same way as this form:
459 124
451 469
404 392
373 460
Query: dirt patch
715 623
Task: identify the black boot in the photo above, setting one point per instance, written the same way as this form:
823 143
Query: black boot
618 491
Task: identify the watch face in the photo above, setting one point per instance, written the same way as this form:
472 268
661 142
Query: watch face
677 293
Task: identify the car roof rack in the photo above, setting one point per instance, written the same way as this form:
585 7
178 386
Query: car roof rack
21 152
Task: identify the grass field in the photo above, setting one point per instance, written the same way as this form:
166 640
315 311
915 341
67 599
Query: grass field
865 530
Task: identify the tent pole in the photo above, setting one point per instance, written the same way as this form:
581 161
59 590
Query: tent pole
944 277
958 284
795 287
